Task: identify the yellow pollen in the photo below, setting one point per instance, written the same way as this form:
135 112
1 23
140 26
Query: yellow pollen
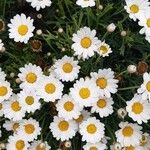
15 126
130 148
101 82
86 42
79 119
127 131
15 106
63 125
68 106
41 147
137 108
143 141
84 93
91 128
29 100
29 128
22 30
3 91
103 49
93 148
67 68
1 106
31 77
101 103
148 22
20 145
134 8
148 86
50 88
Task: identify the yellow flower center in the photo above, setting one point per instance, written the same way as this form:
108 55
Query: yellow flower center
1 106
31 77
101 82
103 49
86 42
3 91
148 86
148 22
41 147
79 119
91 128
134 8
20 145
15 106
15 126
67 68
22 30
29 100
84 93
143 141
50 88
101 103
29 128
137 108
93 148
127 131
68 106
63 125
130 148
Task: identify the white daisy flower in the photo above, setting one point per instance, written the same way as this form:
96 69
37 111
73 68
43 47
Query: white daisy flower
104 79
50 89
1 109
83 116
30 129
13 109
103 106
136 8
67 108
21 28
39 145
62 129
1 46
129 134
29 100
17 142
103 49
85 42
147 38
145 23
85 3
145 142
5 90
138 109
38 4
30 75
145 87
92 130
2 74
66 69
84 92
96 146
10 125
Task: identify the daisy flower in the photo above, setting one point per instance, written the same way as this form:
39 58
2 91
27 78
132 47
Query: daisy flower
138 109
39 145
85 42
129 134
10 125
30 75
13 109
148 38
96 146
17 142
50 89
92 130
67 108
136 8
5 90
38 4
145 87
2 75
103 49
105 81
145 142
66 69
62 129
84 92
29 100
1 109
21 28
30 129
85 3
103 106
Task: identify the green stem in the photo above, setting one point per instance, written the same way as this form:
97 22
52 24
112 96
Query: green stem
128 88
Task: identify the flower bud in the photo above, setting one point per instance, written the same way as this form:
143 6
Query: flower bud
111 27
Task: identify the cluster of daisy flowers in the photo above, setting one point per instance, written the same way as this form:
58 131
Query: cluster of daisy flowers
139 10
